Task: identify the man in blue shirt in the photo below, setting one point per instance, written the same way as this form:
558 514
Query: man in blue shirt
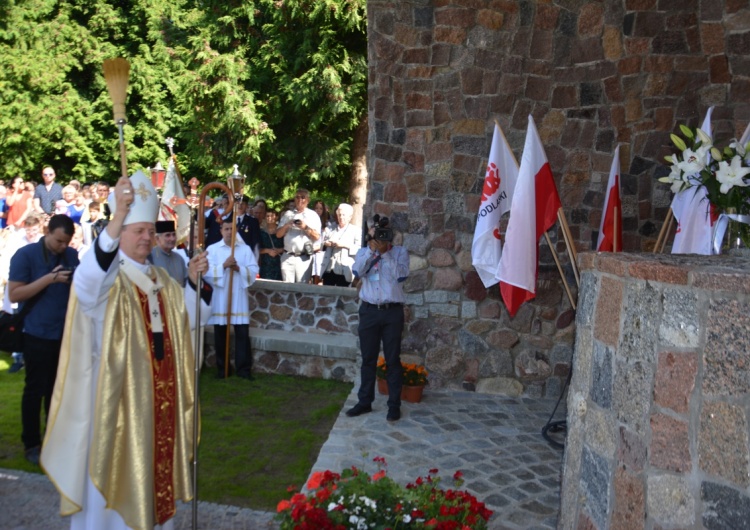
40 274
382 269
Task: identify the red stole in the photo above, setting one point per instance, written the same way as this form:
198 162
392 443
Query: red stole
165 409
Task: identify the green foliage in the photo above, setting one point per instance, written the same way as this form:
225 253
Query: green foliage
277 87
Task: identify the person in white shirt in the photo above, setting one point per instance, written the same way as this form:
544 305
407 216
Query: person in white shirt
341 245
300 229
242 269
31 233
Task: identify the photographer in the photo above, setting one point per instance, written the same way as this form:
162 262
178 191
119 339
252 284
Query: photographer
300 228
40 274
382 268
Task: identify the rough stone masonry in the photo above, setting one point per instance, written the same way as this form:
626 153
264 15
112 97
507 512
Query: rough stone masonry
594 75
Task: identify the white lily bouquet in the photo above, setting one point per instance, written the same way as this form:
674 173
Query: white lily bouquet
724 173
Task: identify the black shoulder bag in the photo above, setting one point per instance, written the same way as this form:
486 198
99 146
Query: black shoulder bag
11 327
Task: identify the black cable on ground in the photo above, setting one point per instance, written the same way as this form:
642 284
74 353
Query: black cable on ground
560 425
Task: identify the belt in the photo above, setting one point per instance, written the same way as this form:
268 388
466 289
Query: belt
385 305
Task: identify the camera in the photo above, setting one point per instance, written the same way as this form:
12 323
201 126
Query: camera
297 222
382 231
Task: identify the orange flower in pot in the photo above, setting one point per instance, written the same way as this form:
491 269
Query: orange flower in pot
415 379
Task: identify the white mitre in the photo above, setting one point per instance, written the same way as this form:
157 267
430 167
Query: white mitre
145 205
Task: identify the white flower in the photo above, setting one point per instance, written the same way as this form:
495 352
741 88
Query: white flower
676 179
332 506
731 175
740 148
353 519
407 518
368 502
694 161
704 138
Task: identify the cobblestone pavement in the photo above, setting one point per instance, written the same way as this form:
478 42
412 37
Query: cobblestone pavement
495 441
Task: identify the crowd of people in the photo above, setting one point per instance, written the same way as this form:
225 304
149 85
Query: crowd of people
293 244
296 244
132 312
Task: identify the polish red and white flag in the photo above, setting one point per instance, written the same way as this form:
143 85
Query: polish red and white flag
610 229
532 212
497 194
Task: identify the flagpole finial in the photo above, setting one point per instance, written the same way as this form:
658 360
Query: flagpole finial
170 144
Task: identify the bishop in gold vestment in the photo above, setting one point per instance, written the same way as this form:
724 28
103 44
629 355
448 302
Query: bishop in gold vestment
119 442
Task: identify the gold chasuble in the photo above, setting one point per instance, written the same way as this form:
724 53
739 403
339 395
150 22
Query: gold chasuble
141 439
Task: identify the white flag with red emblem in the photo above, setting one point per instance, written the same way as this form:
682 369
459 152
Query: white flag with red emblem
532 213
693 212
610 229
173 206
745 136
497 194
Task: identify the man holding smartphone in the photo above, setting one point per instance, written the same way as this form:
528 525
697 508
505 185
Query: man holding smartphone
299 228
40 274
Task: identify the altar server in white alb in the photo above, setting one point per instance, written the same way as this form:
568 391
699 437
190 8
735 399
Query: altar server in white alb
243 269
119 442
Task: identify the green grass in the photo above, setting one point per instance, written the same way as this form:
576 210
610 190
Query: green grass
257 438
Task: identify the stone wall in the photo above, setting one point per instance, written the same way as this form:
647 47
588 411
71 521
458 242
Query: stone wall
300 329
658 406
594 75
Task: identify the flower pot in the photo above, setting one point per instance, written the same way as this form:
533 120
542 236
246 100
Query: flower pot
382 386
412 394
737 235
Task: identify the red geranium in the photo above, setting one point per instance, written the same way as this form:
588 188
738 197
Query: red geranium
355 499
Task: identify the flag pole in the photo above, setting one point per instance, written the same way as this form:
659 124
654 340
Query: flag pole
614 238
568 237
170 145
559 268
666 236
665 228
